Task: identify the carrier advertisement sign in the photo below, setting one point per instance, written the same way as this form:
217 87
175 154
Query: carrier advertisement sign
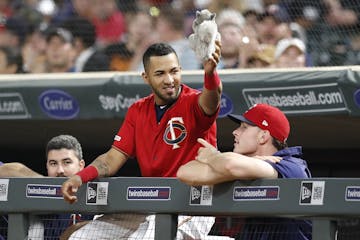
43 191
256 193
313 98
148 193
58 104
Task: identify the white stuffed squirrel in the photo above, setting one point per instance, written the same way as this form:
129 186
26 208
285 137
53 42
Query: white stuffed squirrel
202 41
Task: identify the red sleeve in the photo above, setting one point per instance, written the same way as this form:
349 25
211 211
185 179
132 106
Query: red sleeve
124 140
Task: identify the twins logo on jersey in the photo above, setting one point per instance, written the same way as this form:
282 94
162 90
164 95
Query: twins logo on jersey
175 132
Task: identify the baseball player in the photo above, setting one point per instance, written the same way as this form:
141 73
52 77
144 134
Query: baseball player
160 130
260 151
64 158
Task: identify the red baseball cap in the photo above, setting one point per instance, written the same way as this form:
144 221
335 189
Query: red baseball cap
266 117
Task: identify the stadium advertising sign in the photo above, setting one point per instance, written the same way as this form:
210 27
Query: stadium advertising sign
117 103
352 193
313 98
256 193
4 189
226 106
97 193
12 106
201 195
148 193
43 191
312 192
59 104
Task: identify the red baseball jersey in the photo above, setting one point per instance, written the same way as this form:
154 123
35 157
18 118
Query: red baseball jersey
161 148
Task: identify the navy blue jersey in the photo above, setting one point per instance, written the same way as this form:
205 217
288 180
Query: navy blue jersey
291 166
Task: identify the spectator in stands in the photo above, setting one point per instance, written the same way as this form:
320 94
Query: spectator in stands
14 33
167 106
27 10
82 9
122 54
251 16
332 30
270 29
263 57
229 24
109 22
5 12
64 10
10 61
170 29
189 8
290 53
59 51
64 158
218 6
239 41
88 57
34 52
260 151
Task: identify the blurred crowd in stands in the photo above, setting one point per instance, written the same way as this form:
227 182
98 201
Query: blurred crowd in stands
49 36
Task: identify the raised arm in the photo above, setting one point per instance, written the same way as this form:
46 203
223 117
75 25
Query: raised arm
210 97
104 165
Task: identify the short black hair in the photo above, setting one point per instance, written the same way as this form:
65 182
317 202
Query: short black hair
64 141
157 49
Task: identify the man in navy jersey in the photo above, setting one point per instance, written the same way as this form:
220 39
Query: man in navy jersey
260 151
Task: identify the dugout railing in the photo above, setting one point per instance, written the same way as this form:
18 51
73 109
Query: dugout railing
323 200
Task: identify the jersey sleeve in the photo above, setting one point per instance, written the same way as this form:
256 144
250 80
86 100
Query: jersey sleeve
124 140
289 169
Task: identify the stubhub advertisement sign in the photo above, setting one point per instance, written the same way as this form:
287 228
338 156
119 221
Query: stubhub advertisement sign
58 104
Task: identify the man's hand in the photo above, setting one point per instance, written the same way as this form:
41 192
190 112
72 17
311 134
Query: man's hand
70 187
204 153
273 159
210 64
